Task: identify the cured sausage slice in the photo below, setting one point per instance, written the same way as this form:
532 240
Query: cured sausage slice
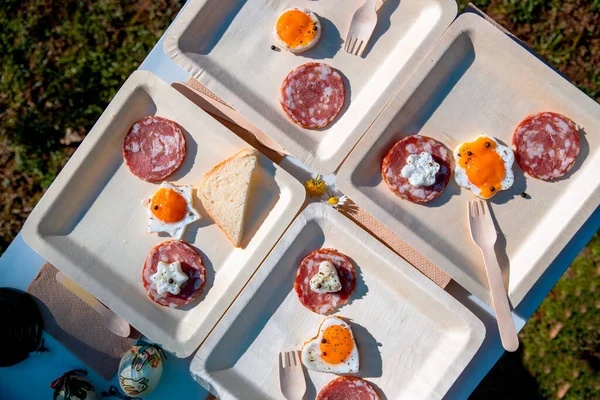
191 265
312 95
348 388
324 303
154 148
395 160
546 145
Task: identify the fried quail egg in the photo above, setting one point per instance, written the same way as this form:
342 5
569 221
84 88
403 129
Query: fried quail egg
170 210
297 30
484 166
333 349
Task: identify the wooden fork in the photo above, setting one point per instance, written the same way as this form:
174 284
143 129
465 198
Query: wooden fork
484 235
361 28
291 375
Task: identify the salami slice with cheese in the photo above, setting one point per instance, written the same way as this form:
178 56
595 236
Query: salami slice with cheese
312 95
348 388
191 265
546 145
154 148
396 160
324 303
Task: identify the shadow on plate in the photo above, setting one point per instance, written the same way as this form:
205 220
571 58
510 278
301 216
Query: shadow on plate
371 364
210 280
384 16
500 249
329 43
191 149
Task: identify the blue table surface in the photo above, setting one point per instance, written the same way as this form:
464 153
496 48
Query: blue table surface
31 378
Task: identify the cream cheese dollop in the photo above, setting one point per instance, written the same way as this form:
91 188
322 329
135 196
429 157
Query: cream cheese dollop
420 169
169 278
326 280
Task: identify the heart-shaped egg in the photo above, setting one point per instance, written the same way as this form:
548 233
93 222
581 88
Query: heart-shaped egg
333 349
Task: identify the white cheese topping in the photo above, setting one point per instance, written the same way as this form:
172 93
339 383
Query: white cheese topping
326 280
169 278
420 169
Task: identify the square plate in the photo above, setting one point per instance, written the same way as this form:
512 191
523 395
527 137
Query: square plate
90 223
414 339
478 80
226 45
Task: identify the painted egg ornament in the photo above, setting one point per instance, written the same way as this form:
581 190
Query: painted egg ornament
140 369
73 385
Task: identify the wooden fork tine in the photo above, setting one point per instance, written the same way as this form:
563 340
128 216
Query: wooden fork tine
358 49
351 45
362 51
486 208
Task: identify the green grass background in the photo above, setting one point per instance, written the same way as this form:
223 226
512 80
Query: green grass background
63 61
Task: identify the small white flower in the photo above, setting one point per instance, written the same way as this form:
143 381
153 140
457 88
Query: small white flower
336 200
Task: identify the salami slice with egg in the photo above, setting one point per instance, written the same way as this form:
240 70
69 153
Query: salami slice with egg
191 265
312 95
348 388
154 148
396 159
546 145
324 303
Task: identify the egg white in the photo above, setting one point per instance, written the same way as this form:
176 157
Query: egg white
505 153
311 352
306 46
175 229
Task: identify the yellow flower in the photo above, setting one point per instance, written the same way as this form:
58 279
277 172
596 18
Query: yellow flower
315 186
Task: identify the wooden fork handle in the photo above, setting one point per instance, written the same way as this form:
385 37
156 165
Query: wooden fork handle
506 325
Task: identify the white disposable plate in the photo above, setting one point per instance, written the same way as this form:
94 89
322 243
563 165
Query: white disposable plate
478 80
91 225
414 339
226 45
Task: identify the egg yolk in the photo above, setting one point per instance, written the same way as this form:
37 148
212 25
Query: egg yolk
336 344
168 205
295 28
485 168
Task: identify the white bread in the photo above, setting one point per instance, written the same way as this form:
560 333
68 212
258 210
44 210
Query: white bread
224 192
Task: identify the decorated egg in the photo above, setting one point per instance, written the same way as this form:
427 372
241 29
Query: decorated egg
333 349
484 166
73 385
140 370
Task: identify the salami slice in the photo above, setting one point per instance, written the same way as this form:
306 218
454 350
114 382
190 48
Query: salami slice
546 145
324 303
312 95
154 148
348 388
395 160
191 265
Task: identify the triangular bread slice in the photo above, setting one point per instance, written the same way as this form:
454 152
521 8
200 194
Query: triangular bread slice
224 192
